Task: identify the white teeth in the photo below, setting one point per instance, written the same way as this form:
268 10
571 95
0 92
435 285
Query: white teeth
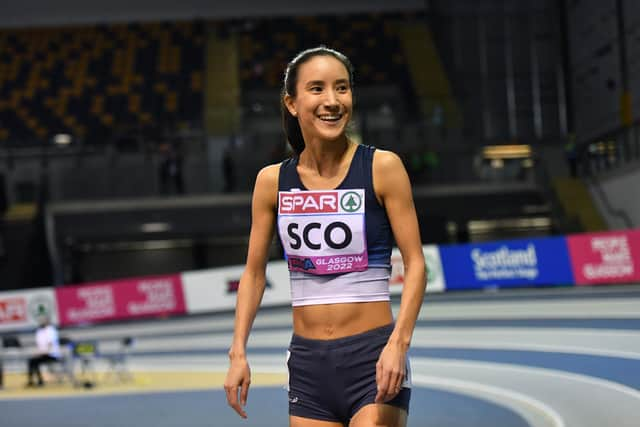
330 117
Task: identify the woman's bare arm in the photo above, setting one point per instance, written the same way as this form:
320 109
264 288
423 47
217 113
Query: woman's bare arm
252 284
393 187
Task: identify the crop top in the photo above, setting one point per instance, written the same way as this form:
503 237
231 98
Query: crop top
337 242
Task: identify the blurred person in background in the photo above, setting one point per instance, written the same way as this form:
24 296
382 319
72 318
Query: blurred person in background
171 173
229 167
571 156
347 359
47 350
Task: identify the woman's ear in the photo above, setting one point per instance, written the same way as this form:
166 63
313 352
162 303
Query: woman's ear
288 102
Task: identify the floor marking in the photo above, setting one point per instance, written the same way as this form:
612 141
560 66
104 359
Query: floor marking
514 400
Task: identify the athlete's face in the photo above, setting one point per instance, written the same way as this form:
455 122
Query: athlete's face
323 101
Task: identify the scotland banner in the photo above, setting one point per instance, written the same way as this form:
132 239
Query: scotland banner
509 263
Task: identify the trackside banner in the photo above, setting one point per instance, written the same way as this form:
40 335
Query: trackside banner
216 289
19 310
582 259
435 276
120 299
609 257
509 263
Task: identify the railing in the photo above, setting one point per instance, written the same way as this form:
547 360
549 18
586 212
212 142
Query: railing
607 152
87 171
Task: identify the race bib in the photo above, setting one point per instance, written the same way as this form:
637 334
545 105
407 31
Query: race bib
323 232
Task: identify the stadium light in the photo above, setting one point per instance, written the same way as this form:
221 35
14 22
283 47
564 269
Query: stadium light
62 139
155 227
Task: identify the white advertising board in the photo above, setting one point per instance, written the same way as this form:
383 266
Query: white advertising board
19 310
435 276
216 289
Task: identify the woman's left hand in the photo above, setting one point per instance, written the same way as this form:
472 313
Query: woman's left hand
390 372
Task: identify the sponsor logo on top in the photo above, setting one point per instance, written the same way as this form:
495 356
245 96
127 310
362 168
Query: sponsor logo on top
308 202
351 201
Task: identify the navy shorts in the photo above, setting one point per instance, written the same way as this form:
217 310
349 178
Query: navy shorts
331 380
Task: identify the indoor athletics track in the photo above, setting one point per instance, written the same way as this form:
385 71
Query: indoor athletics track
558 357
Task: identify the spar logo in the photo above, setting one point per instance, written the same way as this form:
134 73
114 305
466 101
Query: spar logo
351 201
40 305
308 202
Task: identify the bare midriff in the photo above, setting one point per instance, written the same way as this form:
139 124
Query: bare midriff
329 321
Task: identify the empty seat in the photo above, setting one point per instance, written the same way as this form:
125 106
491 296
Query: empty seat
118 361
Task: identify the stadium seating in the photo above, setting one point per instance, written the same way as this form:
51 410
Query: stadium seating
92 81
370 40
96 82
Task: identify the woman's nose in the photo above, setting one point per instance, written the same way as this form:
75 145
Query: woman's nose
331 99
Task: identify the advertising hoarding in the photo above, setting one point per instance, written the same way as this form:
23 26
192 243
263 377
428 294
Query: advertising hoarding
120 299
435 276
509 263
608 257
19 310
216 289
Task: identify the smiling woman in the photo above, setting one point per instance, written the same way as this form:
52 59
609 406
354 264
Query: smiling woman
317 96
338 207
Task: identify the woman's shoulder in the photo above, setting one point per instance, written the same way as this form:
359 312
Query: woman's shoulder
267 180
269 173
388 172
385 160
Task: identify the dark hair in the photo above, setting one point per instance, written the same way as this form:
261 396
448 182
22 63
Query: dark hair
290 124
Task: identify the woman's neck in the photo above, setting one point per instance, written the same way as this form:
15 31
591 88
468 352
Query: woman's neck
327 157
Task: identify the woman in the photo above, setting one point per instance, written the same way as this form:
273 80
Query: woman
338 206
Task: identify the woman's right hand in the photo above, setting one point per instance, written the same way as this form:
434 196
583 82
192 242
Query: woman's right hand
238 381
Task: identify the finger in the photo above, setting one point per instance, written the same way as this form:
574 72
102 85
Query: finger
241 411
394 385
231 393
378 381
383 388
232 399
378 373
238 408
244 392
397 383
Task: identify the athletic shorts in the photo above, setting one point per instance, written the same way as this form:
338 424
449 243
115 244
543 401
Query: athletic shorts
331 380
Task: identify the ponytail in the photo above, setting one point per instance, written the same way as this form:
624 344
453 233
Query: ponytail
291 127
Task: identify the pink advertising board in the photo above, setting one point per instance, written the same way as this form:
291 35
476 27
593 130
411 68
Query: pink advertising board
608 257
120 299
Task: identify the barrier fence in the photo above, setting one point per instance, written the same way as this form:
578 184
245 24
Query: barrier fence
575 260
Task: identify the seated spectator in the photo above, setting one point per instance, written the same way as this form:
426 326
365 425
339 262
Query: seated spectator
48 350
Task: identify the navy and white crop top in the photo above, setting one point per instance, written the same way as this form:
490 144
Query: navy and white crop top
337 242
